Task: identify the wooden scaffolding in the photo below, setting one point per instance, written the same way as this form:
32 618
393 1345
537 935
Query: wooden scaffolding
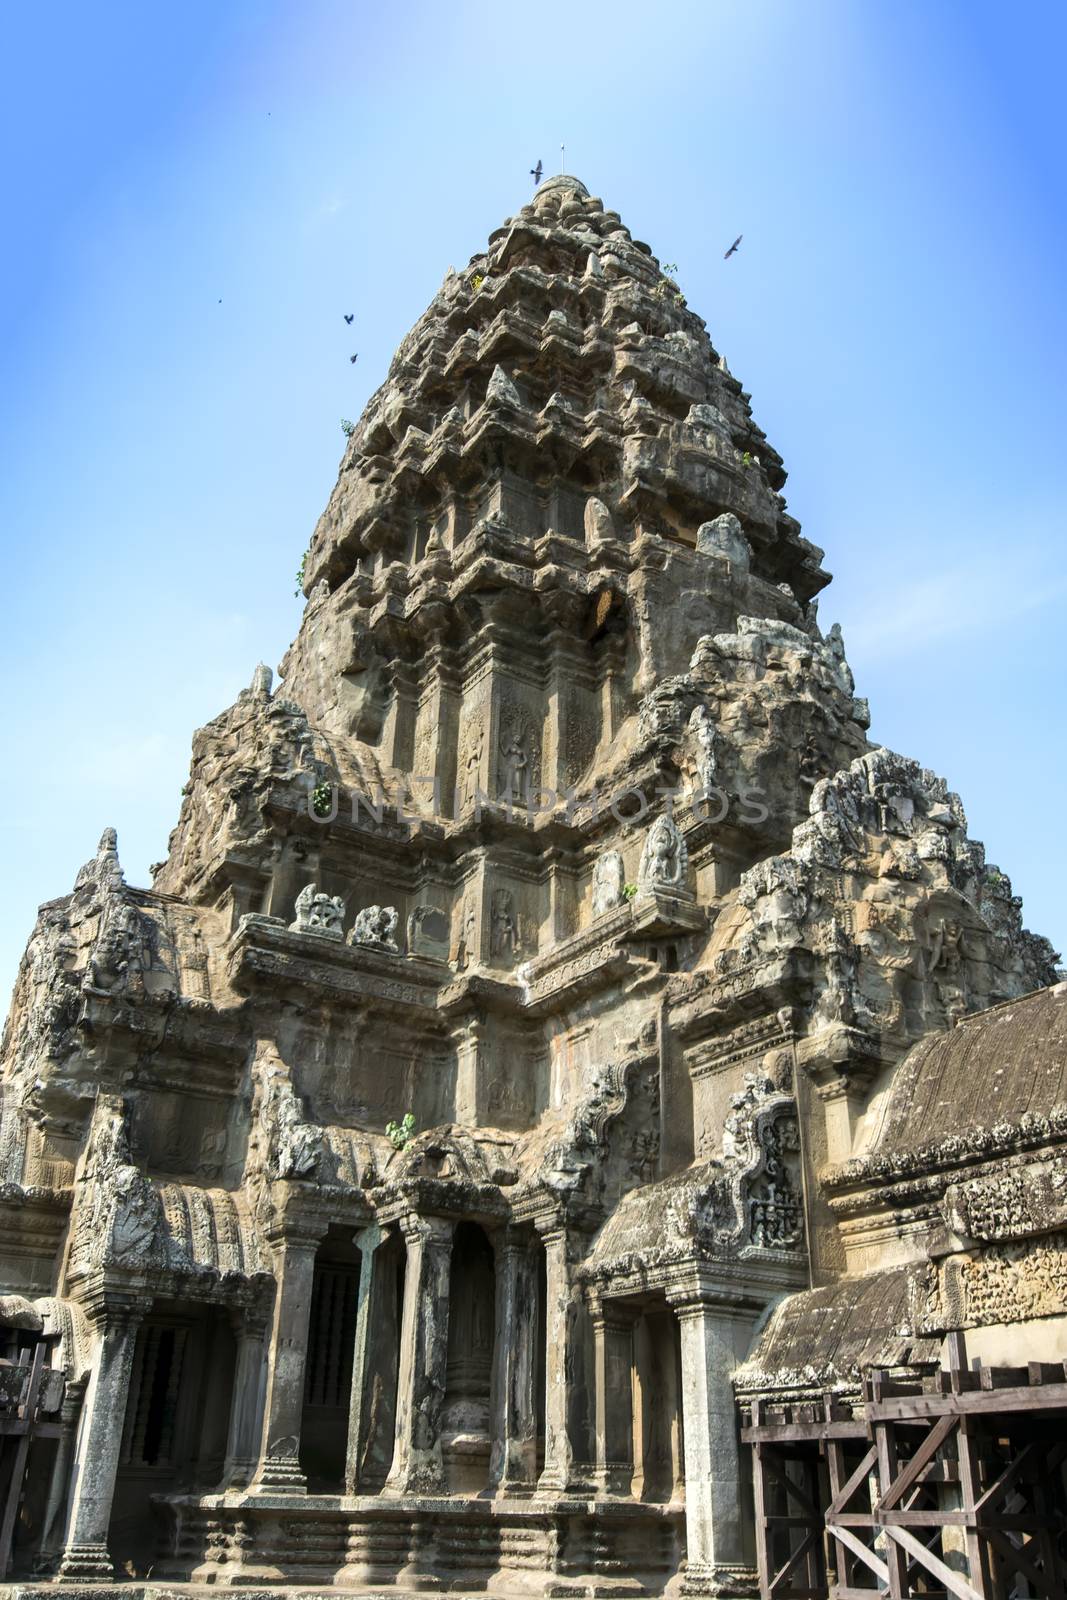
30 1396
948 1485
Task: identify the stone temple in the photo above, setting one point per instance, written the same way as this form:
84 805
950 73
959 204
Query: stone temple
571 1116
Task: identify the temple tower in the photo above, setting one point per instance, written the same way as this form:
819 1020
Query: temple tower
401 1185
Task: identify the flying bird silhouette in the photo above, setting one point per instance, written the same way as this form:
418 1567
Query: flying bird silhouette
535 172
350 317
353 359
733 247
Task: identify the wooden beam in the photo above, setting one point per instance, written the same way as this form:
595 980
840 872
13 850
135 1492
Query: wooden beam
954 1582
1040 1397
803 1432
802 1549
927 1449
862 1472
1016 1559
862 1552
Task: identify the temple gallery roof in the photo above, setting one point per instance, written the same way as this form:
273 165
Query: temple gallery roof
1000 1066
828 1335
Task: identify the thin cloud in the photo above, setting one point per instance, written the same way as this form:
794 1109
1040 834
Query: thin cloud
958 600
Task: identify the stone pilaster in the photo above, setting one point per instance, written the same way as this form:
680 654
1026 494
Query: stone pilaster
85 1555
513 1461
472 1044
371 1420
417 1461
561 1356
613 1346
246 1405
842 1063
59 1478
279 1470
714 1339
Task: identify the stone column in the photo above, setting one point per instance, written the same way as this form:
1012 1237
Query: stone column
96 1462
714 1340
371 1419
246 1405
513 1461
613 1346
417 1462
561 1361
279 1469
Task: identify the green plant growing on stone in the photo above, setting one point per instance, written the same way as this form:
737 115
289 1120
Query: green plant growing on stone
477 279
347 428
665 288
300 571
399 1133
322 799
629 891
746 459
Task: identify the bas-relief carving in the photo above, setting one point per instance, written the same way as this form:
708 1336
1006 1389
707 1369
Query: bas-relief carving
503 927
664 858
469 765
1001 1284
761 1154
518 765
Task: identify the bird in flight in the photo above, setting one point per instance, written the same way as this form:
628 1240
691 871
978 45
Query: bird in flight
350 317
535 172
733 247
353 359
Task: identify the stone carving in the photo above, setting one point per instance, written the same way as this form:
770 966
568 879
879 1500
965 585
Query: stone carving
1001 1284
117 1216
1015 1204
518 757
664 859
700 741
471 766
262 679
608 882
775 895
724 537
375 926
318 913
514 762
284 1144
459 624
761 1151
835 644
599 527
664 709
503 929
428 933
467 940
502 390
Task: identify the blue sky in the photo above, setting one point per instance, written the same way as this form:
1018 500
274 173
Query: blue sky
896 310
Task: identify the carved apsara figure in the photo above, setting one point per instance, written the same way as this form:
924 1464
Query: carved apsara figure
664 857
